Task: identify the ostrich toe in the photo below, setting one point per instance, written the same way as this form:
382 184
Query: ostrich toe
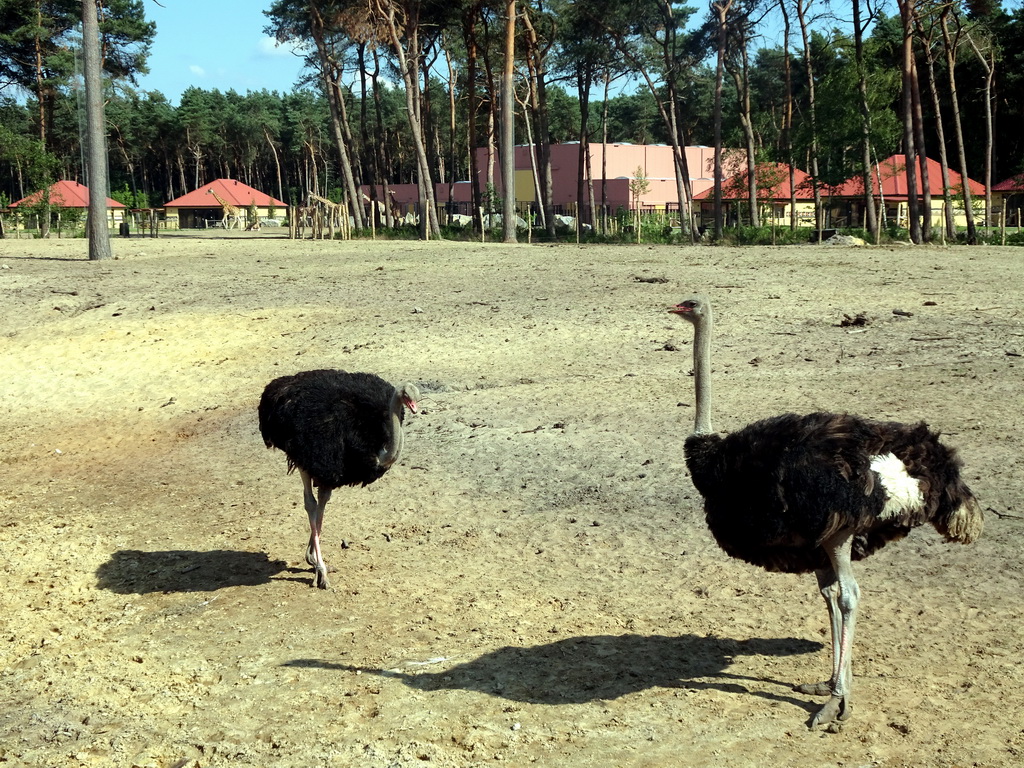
837 708
823 688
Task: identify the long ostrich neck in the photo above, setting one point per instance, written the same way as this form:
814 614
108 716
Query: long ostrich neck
702 372
396 438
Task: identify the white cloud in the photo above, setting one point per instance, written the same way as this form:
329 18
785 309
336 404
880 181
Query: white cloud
197 70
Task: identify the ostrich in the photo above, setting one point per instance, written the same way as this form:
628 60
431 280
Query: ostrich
797 494
336 428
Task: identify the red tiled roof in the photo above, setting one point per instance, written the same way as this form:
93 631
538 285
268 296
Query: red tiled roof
735 187
65 194
894 180
235 192
1012 184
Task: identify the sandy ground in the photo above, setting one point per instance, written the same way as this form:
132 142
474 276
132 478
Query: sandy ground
533 583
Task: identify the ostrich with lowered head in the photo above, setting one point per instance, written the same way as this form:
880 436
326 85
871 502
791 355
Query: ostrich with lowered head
336 428
801 493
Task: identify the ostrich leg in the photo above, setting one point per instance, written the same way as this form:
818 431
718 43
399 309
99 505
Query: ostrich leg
839 587
315 511
828 584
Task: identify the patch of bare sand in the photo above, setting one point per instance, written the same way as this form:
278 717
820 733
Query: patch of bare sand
533 583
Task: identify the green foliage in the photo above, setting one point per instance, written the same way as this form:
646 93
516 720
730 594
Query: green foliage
28 154
894 233
492 201
130 199
639 185
70 221
51 29
766 236
633 118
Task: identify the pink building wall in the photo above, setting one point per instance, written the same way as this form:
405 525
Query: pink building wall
620 164
654 160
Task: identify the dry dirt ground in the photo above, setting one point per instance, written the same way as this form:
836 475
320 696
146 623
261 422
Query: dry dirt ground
533 583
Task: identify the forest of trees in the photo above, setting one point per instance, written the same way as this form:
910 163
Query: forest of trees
400 91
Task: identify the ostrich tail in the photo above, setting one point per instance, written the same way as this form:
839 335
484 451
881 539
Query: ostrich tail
966 522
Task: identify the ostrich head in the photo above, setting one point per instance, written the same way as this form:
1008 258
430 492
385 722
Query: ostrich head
693 309
408 394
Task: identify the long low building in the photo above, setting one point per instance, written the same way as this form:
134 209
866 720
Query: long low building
625 177
843 203
890 190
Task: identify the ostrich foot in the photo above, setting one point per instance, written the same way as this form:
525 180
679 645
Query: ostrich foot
320 580
823 688
837 708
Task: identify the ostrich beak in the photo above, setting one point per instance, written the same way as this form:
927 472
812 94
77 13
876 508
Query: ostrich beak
679 309
410 404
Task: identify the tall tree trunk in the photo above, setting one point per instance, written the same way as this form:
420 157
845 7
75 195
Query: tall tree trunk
41 87
380 161
369 168
987 59
949 220
870 222
604 154
277 163
408 66
532 147
951 46
741 79
336 99
339 126
909 151
583 82
722 10
536 61
508 118
670 110
801 13
452 131
99 233
787 129
469 35
669 105
922 155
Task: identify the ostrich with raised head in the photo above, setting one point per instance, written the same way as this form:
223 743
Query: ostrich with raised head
336 428
802 493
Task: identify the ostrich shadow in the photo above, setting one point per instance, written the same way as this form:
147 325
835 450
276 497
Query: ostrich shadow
577 670
134 572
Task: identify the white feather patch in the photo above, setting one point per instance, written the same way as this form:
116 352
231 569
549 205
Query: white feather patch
902 492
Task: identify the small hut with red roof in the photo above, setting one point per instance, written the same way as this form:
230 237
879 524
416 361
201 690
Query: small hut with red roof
224 203
1008 197
67 196
775 188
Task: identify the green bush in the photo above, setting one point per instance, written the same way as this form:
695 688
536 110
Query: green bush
763 236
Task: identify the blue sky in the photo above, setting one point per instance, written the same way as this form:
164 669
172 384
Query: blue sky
215 44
